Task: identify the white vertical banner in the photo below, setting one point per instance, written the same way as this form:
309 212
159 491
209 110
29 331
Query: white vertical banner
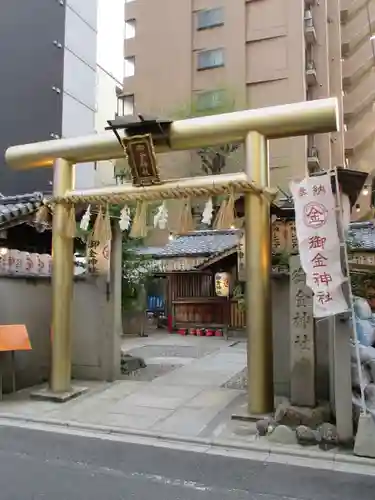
319 243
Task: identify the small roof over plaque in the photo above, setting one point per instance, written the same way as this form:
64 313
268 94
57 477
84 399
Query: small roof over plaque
141 125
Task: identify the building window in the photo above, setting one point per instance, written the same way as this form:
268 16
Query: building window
129 66
210 99
210 59
129 29
210 18
125 105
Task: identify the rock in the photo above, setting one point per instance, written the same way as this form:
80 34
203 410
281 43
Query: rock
328 434
366 354
355 375
307 436
130 363
264 426
293 416
283 435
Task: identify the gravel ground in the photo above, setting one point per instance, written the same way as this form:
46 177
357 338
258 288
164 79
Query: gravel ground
159 351
239 381
150 372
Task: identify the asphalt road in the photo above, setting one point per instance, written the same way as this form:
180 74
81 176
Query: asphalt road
42 465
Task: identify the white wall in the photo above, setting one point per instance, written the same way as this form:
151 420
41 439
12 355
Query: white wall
110 40
110 72
79 88
93 68
106 108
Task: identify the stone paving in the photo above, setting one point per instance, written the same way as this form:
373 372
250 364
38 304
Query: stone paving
181 392
191 389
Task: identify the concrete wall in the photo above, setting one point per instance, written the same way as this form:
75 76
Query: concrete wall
96 323
28 301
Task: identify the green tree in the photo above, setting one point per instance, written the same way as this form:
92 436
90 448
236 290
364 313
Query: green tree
136 267
121 171
213 159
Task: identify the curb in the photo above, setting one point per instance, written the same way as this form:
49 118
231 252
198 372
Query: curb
260 447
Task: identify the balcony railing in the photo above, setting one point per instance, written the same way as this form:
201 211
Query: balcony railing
313 159
310 33
311 78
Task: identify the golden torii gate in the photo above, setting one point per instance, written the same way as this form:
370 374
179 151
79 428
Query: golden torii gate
253 127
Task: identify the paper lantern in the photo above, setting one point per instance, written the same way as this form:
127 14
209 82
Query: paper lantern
222 281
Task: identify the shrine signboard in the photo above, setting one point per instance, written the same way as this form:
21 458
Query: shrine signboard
279 234
358 260
319 244
140 153
241 264
176 264
284 237
302 341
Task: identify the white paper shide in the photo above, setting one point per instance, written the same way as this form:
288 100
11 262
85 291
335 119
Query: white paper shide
319 243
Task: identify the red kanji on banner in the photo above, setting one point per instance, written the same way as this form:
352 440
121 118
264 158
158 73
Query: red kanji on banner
324 297
317 242
322 278
319 261
315 215
302 192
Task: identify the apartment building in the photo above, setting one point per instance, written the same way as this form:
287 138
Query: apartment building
358 73
265 52
48 80
61 64
109 76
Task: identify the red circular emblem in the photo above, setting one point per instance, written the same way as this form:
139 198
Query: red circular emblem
315 215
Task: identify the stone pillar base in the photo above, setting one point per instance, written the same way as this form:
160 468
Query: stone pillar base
58 397
364 445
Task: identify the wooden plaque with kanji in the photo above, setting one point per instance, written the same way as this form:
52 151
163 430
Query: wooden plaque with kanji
140 152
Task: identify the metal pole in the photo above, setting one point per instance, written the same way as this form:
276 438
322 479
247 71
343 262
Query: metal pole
62 283
258 281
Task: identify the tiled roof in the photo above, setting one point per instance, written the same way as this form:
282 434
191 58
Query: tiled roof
13 208
207 243
362 236
197 243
